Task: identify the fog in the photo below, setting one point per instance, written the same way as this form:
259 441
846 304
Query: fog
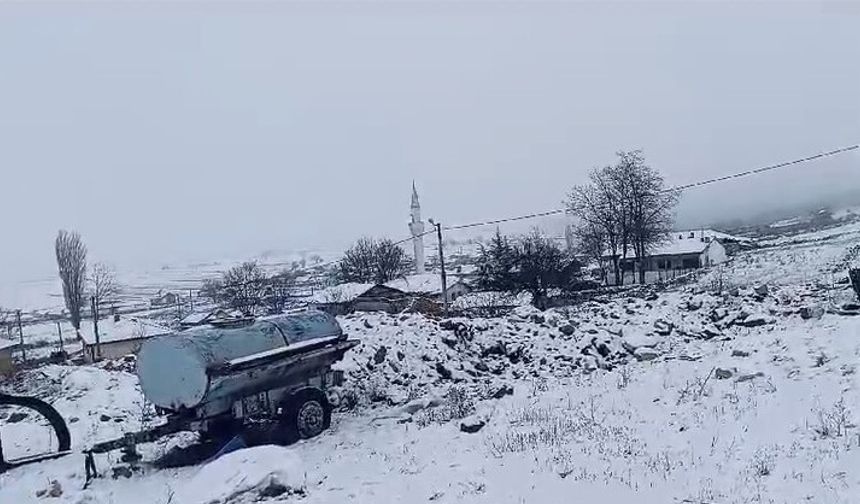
192 131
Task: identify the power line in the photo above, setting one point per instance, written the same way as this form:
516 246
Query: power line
680 188
764 169
558 211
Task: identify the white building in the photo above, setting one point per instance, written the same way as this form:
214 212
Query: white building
416 228
683 250
118 338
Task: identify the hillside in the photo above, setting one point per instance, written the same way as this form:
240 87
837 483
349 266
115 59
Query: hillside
734 387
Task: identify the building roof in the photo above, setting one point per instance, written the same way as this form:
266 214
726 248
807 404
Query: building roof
686 242
7 344
426 283
218 314
342 293
123 330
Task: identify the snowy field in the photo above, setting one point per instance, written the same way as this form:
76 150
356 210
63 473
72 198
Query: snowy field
737 387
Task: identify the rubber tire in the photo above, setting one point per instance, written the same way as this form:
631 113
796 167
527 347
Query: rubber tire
295 404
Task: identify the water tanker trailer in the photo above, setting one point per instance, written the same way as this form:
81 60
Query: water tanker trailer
228 379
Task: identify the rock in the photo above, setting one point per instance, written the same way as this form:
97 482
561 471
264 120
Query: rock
761 291
662 327
481 366
56 490
709 332
722 374
515 353
850 309
718 314
400 355
748 377
16 417
417 405
740 353
538 318
633 341
104 418
273 489
122 471
503 391
692 304
394 367
497 348
367 324
651 296
450 340
74 419
472 424
567 329
755 320
646 354
444 372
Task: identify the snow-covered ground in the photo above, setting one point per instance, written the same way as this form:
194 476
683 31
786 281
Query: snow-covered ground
733 388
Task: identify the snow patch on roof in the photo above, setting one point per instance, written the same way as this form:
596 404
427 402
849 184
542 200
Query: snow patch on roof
341 293
688 242
426 283
121 330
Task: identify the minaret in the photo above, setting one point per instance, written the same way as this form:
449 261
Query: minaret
416 227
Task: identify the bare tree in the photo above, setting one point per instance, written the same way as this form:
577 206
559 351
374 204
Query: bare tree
243 287
591 244
357 264
103 284
279 290
649 205
211 290
628 206
370 260
390 261
6 321
72 265
598 206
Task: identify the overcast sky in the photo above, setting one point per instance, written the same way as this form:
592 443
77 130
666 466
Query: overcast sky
165 132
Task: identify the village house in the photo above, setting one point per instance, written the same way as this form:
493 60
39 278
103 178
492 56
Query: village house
681 252
163 299
429 285
118 337
338 299
7 358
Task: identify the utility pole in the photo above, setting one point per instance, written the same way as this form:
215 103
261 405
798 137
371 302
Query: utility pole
441 264
21 336
95 310
60 334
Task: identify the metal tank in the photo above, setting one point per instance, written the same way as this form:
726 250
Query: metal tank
214 365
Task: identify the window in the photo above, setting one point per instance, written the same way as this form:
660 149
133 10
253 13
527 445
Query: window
690 262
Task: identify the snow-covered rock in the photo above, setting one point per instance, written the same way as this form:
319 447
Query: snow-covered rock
242 472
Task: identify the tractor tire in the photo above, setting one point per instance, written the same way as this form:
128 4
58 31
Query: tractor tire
307 413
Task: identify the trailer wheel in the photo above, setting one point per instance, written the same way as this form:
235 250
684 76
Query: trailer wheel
308 413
